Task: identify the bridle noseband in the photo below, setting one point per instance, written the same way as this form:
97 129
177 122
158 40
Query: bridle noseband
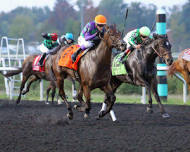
161 55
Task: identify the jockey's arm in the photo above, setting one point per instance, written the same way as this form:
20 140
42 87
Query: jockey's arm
88 36
86 32
131 41
46 36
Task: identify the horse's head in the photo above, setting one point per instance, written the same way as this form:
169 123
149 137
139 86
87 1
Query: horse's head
162 47
112 38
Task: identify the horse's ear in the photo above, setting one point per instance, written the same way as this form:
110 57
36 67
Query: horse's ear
155 36
106 27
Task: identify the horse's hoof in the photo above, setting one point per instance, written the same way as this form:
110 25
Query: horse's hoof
165 115
24 92
59 102
47 103
75 106
149 110
101 114
17 102
70 116
86 115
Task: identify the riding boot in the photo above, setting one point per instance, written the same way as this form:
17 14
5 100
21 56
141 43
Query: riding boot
74 56
127 52
42 59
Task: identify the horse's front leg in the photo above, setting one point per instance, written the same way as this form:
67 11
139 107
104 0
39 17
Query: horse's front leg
149 107
109 100
155 92
60 83
87 106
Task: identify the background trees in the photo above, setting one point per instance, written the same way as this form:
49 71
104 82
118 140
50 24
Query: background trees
29 23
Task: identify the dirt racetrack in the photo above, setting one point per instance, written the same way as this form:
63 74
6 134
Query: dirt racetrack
36 127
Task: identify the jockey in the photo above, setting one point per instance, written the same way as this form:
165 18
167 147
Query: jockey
134 39
66 39
89 34
49 43
52 44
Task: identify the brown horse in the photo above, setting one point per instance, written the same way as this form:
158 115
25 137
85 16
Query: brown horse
182 66
93 70
35 75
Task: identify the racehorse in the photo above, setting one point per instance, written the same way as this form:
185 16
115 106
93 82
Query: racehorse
141 69
182 66
28 72
93 71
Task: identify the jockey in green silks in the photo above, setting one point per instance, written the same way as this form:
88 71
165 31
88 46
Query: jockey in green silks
134 39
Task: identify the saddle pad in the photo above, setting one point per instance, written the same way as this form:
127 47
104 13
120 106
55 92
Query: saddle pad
66 60
118 68
186 55
36 67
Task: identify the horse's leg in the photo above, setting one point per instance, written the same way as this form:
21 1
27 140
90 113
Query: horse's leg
29 84
186 77
149 108
109 99
60 84
53 94
155 92
106 98
74 90
24 79
87 105
80 99
47 94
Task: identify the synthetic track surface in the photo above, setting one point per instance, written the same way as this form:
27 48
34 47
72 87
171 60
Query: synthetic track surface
36 127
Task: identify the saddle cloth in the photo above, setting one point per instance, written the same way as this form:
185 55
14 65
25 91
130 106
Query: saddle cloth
36 67
118 68
66 60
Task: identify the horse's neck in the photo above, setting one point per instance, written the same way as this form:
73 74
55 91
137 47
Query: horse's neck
104 53
149 54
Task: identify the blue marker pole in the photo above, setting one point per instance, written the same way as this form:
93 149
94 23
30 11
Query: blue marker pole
161 66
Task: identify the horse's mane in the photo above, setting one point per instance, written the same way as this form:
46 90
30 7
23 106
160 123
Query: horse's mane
147 42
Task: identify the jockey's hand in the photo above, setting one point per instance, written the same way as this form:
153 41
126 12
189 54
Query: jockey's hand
96 38
138 46
45 35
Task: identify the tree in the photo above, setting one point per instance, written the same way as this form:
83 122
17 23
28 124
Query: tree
22 26
61 13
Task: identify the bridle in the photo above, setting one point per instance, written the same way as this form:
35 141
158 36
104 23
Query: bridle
110 36
161 55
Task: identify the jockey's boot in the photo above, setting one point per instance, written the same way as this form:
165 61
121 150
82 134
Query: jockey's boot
74 56
127 52
40 63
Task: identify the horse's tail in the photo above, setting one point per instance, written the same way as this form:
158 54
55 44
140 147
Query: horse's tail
172 69
12 73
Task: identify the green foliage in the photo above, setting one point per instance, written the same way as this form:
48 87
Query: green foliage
22 26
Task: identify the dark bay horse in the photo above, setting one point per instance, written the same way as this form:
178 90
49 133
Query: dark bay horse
182 66
35 75
93 70
141 69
